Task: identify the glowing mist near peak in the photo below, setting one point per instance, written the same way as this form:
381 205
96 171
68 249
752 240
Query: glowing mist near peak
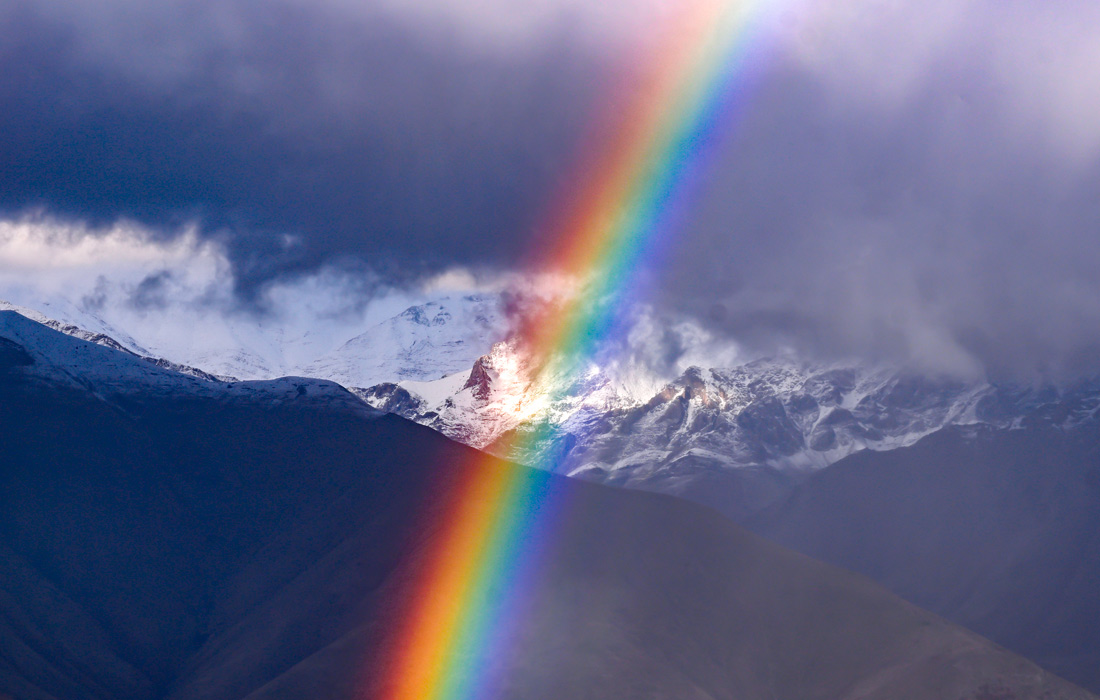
499 520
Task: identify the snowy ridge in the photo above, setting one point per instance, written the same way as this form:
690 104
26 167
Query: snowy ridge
422 343
779 414
50 358
80 324
496 396
101 337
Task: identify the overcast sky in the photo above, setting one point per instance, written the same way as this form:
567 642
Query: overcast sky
912 180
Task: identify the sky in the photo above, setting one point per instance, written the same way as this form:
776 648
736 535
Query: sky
913 181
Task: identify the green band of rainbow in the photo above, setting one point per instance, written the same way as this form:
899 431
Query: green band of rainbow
499 520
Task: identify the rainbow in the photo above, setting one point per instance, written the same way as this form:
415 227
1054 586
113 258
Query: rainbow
499 520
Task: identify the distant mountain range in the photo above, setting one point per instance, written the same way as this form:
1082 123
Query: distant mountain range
166 536
976 500
424 342
979 501
736 438
996 529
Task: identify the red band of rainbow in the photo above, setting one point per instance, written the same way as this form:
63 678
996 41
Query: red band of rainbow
499 519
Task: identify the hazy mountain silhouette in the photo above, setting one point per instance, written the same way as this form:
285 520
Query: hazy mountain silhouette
998 530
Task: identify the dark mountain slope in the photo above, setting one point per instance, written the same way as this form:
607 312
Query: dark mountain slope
997 530
200 546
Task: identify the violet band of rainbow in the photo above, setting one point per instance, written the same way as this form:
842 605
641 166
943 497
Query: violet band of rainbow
500 521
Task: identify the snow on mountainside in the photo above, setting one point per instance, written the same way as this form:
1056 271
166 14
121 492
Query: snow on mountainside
422 343
71 320
777 413
51 358
200 550
479 406
127 345
754 429
751 430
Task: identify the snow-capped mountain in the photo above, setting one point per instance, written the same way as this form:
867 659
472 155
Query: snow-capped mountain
735 438
164 544
51 359
80 323
100 337
423 342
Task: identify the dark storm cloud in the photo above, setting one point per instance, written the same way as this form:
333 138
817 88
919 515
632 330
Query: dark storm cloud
915 181
297 135
934 232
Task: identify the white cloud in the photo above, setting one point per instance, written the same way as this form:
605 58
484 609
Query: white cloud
35 245
176 297
46 258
